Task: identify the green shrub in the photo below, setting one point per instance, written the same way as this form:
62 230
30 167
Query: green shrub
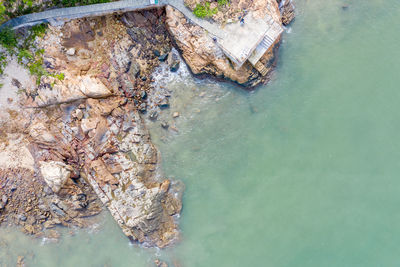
203 11
222 2
8 39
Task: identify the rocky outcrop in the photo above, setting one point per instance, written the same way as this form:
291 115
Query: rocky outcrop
123 169
286 7
202 54
86 139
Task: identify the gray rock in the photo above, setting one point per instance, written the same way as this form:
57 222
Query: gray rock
4 199
175 66
57 210
143 94
163 58
143 107
164 103
16 83
22 217
164 124
153 115
156 53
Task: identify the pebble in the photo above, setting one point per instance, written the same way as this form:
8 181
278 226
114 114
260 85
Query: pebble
164 124
143 107
143 94
175 67
153 115
175 115
164 103
78 114
71 51
4 199
21 217
162 58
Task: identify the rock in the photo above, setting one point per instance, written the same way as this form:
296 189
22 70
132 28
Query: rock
163 57
89 124
84 54
93 88
21 217
153 115
164 103
4 199
175 115
175 66
143 95
16 83
287 11
71 51
20 261
29 229
54 208
134 69
160 263
156 53
78 114
164 124
202 54
55 174
143 107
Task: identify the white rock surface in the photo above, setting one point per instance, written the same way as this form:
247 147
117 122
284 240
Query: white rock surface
71 51
55 174
93 88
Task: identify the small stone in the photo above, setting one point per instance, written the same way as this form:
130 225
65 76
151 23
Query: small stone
78 114
16 83
20 261
21 217
175 115
202 94
100 33
156 53
164 103
163 58
71 51
143 94
175 66
164 124
153 115
173 128
4 199
143 108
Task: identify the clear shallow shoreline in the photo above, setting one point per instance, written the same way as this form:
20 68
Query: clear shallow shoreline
302 172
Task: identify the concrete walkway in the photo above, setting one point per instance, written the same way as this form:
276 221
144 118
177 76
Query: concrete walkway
237 41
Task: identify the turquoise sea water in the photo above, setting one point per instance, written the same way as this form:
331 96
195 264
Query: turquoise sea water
301 172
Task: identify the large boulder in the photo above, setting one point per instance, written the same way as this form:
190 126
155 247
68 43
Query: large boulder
55 174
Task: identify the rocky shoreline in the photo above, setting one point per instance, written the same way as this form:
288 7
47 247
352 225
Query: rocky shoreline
71 146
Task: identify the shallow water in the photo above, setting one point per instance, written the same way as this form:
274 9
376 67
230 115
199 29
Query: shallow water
302 172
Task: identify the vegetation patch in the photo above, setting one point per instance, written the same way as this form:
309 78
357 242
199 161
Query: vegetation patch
204 9
23 47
